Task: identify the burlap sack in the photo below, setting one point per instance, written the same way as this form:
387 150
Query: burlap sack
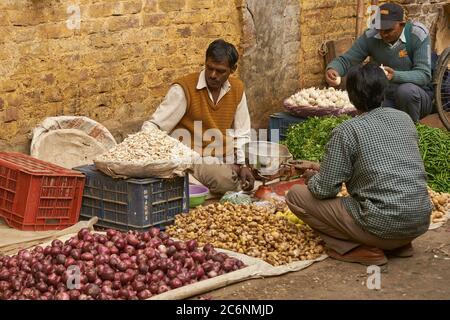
70 141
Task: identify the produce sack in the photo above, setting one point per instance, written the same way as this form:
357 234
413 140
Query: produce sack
319 102
236 198
150 153
70 141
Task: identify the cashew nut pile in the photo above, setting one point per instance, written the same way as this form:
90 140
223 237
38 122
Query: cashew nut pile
248 229
322 98
153 145
441 205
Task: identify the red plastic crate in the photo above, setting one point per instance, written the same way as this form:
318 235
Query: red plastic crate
36 195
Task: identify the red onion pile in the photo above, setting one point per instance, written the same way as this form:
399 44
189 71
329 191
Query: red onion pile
115 266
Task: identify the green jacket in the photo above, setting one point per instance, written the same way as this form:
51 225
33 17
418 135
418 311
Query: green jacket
415 69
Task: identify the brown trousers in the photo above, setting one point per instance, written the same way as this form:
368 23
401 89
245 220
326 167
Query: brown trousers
218 178
330 219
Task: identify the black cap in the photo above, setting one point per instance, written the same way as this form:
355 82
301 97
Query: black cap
390 14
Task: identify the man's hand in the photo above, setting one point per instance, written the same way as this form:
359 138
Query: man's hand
332 77
247 179
308 174
389 72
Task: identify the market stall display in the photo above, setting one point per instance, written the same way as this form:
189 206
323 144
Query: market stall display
249 229
319 102
147 154
115 265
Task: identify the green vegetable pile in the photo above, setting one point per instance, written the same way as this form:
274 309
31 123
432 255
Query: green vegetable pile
306 140
434 147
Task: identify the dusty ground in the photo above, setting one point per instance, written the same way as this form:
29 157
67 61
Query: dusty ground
426 275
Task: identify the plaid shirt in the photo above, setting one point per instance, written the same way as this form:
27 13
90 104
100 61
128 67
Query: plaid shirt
377 156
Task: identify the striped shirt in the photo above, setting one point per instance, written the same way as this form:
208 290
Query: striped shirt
377 156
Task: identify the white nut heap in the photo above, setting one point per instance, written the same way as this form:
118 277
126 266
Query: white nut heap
153 145
322 98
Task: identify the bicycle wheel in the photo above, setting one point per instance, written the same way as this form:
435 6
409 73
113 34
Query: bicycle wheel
442 81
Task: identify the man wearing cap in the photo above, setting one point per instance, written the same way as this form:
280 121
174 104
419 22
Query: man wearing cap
403 50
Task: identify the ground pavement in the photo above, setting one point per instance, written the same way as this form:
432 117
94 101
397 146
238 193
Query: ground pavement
426 275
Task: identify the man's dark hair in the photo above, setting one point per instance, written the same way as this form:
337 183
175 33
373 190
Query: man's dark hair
220 50
366 86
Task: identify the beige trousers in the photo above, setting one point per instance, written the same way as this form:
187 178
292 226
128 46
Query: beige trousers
219 178
330 219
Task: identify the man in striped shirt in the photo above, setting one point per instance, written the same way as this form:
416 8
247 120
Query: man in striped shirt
377 155
403 49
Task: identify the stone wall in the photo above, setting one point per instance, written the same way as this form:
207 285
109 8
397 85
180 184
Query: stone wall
113 61
423 11
270 45
113 64
322 21
280 44
334 19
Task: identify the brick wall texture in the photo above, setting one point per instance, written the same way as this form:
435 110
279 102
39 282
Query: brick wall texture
115 63
334 19
114 69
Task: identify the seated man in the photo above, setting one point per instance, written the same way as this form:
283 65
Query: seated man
204 106
377 155
404 51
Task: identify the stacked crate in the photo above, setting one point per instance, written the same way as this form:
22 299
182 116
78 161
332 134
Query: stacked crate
281 121
36 195
132 204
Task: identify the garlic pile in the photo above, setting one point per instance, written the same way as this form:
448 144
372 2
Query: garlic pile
153 145
322 98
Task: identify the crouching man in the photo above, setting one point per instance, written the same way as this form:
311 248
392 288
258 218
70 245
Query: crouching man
377 155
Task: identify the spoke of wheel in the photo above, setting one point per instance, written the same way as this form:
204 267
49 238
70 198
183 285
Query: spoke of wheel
442 83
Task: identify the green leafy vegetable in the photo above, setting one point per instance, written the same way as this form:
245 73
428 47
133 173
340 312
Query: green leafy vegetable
306 140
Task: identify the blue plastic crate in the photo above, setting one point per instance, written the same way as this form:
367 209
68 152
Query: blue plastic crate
132 204
281 121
